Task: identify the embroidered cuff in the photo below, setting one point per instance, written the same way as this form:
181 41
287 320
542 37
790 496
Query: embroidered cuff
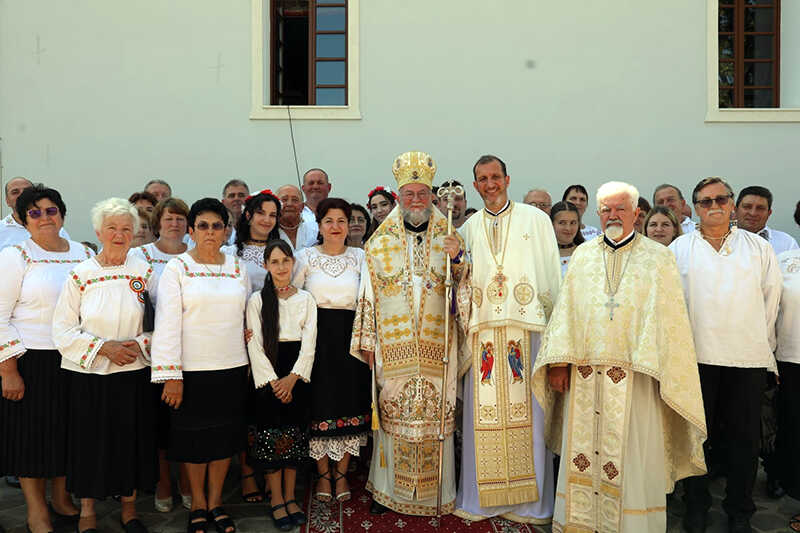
162 373
144 344
87 359
12 348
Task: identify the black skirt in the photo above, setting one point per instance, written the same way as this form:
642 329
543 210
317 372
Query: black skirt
281 433
33 431
788 440
210 423
111 445
162 418
340 391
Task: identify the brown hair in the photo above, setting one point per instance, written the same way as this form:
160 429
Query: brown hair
667 212
173 205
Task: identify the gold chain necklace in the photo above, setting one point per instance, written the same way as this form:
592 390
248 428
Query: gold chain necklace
497 291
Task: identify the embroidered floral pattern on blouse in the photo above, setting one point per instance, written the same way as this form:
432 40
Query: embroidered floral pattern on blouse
236 274
253 254
92 344
108 277
332 265
150 259
339 423
28 259
9 344
167 368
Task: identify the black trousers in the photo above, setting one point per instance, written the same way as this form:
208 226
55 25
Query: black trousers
786 465
732 395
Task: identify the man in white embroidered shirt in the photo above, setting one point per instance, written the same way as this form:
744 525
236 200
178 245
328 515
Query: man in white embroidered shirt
11 229
724 268
671 197
753 209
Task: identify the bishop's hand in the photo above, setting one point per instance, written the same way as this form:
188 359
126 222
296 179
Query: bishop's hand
558 376
451 246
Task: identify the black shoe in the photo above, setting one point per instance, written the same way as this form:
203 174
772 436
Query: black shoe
133 525
299 518
695 521
775 489
377 508
739 525
63 518
284 523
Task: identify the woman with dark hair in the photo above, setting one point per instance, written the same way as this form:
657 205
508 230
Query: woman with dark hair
98 326
340 397
644 208
144 199
257 225
661 225
199 354
359 222
284 324
33 409
577 195
566 220
380 202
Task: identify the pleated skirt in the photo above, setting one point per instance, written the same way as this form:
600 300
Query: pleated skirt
33 431
340 391
111 445
210 423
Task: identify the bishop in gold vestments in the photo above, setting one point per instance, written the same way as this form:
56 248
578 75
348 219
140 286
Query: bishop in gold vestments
631 422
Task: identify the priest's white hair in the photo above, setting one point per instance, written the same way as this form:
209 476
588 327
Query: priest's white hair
112 207
613 188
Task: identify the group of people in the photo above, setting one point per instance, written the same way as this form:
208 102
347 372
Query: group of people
190 336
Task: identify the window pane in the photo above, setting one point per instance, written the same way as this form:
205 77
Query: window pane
758 98
331 1
330 97
330 45
758 46
760 19
726 20
726 73
725 46
758 2
330 72
757 74
725 98
331 18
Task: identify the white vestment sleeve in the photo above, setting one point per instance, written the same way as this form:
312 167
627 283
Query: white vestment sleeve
167 335
308 341
262 369
13 265
772 285
74 344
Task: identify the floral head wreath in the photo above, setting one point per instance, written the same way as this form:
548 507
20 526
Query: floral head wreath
268 192
381 188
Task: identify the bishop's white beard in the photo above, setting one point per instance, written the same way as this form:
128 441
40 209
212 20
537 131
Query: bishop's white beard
415 217
614 231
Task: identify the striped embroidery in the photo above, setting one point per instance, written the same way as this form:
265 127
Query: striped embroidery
237 271
92 344
166 368
150 259
108 277
28 259
9 344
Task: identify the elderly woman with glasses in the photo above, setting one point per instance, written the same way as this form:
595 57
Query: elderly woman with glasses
98 328
33 409
199 354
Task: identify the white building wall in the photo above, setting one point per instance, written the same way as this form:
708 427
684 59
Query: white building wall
98 96
790 53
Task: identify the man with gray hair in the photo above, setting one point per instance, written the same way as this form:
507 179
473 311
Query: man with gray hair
539 198
725 268
11 229
617 379
158 188
298 231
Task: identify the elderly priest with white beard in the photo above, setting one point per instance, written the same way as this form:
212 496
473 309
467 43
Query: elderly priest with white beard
618 381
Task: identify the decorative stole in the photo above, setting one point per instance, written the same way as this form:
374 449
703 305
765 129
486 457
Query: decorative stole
502 364
412 348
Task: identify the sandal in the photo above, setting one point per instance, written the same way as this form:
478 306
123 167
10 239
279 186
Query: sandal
222 520
285 522
299 518
344 496
255 496
199 525
324 496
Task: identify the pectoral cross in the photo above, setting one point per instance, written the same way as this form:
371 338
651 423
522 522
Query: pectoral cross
611 305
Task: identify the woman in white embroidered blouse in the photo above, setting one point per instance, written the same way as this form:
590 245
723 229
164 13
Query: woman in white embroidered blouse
340 397
284 324
566 221
33 433
98 328
199 354
169 226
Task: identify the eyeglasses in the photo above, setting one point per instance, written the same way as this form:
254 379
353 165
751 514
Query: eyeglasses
541 205
421 195
204 226
705 203
49 211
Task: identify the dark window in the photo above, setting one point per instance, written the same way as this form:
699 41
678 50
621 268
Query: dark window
308 52
749 53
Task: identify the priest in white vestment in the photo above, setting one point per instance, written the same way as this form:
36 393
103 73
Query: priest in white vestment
732 283
399 331
506 469
618 381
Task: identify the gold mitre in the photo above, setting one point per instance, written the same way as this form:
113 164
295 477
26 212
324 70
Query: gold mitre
414 167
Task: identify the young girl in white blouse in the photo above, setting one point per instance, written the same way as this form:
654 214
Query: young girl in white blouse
283 320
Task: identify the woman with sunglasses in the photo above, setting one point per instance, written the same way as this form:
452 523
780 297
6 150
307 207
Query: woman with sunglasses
33 409
199 354
98 326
